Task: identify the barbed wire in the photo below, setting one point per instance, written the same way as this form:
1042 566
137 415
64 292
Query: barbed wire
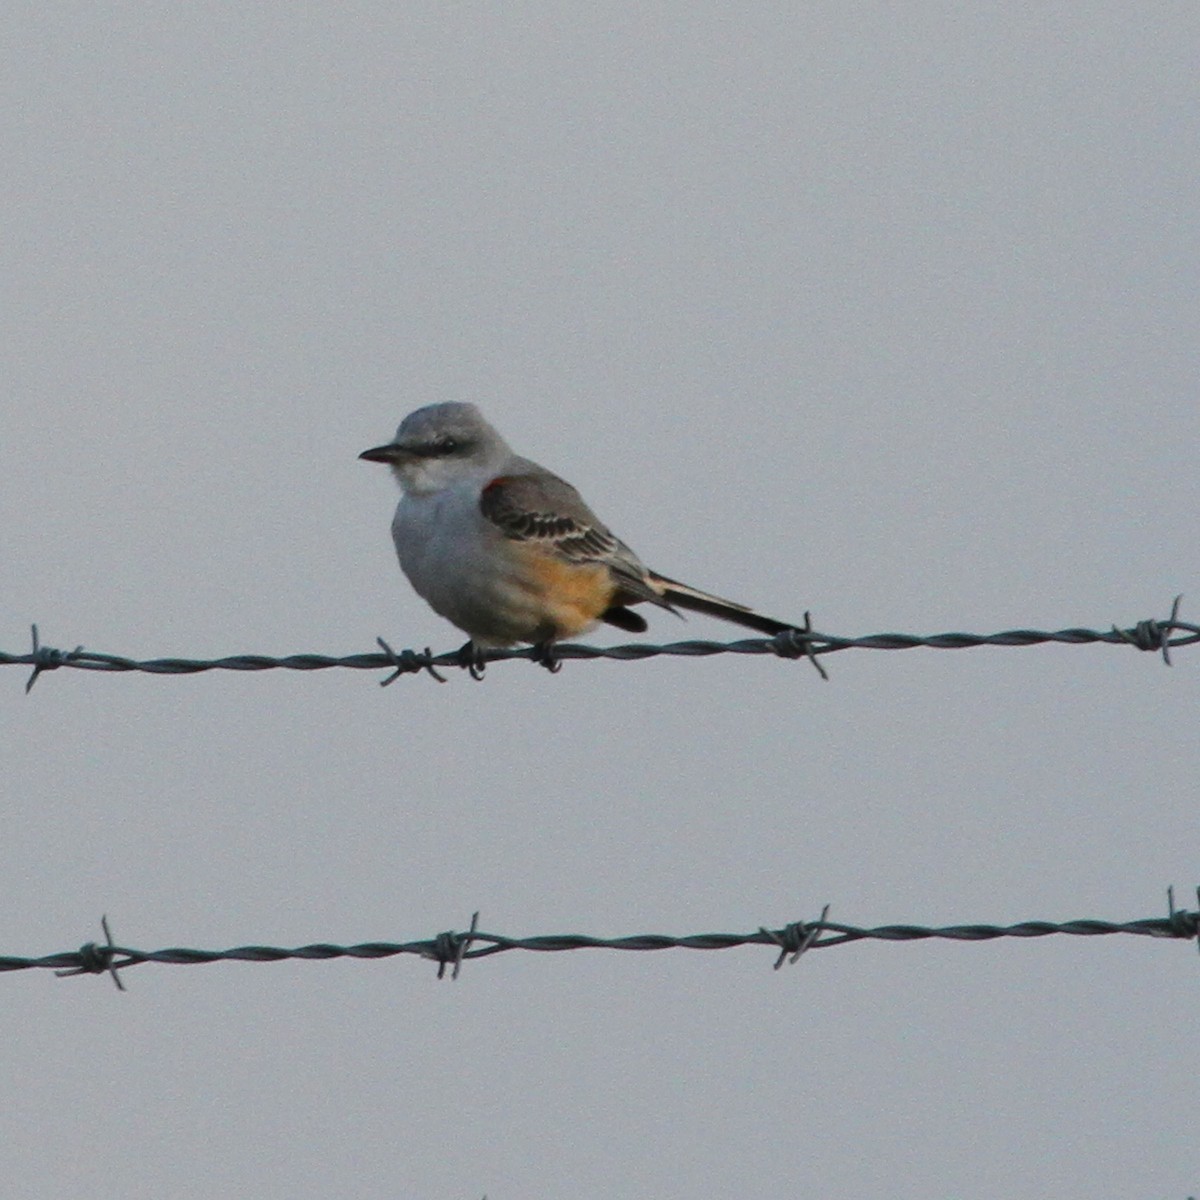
451 949
807 643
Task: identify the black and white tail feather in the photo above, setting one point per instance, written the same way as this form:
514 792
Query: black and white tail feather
679 595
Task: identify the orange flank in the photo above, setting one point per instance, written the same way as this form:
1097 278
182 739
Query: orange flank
574 595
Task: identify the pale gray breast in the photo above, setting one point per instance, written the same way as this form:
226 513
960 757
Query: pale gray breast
459 564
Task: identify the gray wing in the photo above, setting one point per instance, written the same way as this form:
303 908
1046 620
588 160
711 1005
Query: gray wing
542 508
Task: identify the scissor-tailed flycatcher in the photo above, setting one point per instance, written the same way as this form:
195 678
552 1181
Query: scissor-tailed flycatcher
509 552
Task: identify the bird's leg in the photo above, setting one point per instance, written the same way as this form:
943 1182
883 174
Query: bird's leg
470 656
543 654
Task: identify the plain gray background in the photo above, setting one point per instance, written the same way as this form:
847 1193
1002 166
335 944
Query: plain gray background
884 310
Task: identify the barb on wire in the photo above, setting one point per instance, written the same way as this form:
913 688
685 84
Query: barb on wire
793 940
95 960
1150 635
450 947
453 949
801 643
45 658
1185 924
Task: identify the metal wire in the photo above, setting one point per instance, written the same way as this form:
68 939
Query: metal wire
452 949
1152 635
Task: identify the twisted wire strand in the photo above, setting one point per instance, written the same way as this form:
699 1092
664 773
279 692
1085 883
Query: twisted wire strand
1150 635
451 949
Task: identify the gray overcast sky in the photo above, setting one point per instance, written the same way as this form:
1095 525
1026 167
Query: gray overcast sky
883 311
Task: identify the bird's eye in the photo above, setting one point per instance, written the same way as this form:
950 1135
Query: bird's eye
442 447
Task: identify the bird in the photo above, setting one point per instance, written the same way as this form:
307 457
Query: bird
510 552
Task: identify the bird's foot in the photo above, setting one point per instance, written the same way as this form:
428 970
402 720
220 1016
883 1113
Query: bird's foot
543 654
470 657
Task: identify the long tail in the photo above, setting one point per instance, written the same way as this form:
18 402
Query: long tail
682 596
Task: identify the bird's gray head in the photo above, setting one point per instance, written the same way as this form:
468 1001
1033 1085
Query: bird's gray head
440 445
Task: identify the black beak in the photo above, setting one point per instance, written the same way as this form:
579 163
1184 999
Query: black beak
385 454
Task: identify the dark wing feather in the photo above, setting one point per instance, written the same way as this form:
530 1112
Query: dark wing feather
545 509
